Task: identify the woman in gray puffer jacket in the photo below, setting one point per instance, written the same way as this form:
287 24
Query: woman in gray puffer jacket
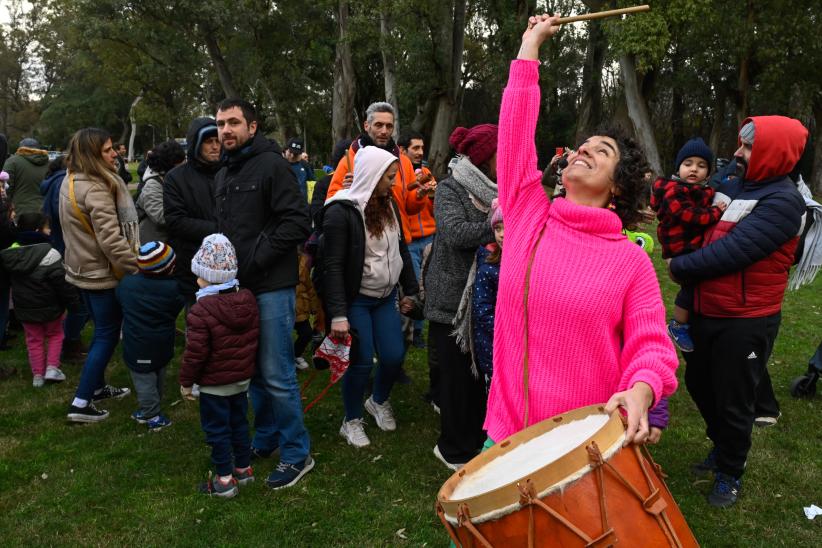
149 199
461 210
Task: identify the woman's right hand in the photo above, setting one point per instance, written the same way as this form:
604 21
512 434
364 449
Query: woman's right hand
339 329
540 28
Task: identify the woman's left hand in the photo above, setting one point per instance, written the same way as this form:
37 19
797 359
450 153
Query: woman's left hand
636 401
406 305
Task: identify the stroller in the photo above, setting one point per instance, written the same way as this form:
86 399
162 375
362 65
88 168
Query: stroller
805 386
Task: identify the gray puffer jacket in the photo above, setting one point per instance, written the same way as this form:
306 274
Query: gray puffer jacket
150 209
461 229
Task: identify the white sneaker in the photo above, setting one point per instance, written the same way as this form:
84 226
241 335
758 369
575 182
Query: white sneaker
38 381
301 364
54 374
382 413
451 465
354 433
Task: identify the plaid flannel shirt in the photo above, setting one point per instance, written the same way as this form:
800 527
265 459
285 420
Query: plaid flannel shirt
685 212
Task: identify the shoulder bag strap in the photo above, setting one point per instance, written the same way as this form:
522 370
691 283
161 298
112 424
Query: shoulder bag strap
525 390
77 213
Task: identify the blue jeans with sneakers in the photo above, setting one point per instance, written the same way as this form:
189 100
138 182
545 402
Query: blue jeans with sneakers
275 395
225 424
107 316
378 327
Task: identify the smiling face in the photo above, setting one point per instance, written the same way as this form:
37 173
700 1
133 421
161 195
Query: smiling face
589 177
233 129
386 181
693 169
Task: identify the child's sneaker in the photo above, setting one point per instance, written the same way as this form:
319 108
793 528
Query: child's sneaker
354 433
217 487
301 364
158 423
53 374
681 335
244 476
707 466
726 490
109 391
195 390
88 413
38 381
286 475
139 417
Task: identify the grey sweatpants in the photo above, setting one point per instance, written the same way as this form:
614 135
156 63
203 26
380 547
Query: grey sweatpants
149 388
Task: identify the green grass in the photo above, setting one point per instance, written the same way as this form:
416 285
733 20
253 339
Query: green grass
114 484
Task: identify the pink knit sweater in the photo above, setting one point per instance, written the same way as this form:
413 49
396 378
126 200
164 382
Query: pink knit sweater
596 322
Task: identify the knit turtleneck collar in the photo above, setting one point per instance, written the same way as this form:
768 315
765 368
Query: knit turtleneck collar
591 220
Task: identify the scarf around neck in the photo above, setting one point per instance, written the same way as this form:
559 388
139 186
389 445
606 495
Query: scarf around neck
217 288
811 261
479 187
127 215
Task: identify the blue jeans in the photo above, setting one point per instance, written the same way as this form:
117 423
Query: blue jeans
108 319
275 395
377 325
415 248
225 423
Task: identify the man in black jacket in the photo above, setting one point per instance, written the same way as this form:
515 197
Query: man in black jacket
188 200
261 210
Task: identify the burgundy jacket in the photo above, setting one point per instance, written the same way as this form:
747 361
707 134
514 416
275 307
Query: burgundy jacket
221 339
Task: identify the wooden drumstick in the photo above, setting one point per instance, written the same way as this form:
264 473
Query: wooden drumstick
601 14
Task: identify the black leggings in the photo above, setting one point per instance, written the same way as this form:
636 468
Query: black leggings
304 333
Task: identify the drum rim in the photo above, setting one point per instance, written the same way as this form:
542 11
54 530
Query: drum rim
570 466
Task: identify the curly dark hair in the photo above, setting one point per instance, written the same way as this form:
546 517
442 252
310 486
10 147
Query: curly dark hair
379 214
165 156
629 176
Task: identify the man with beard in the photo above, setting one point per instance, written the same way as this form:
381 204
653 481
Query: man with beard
188 201
740 277
122 166
261 210
379 127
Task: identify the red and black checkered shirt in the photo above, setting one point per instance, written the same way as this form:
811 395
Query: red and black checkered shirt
684 211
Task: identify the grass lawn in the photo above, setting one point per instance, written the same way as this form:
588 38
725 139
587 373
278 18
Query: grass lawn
114 484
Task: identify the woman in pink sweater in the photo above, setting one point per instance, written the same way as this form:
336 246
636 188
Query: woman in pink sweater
574 291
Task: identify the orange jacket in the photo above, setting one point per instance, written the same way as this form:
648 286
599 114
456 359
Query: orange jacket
423 224
407 200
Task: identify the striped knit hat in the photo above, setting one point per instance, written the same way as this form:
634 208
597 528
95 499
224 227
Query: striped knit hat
156 259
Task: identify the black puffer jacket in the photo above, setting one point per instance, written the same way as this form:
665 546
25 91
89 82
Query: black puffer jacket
261 210
338 271
38 281
188 207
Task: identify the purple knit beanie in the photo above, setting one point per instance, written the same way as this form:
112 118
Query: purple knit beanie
478 143
495 215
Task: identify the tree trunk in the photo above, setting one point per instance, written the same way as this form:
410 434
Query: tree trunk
449 41
345 85
217 59
638 112
677 105
715 141
590 110
815 183
389 64
744 77
133 127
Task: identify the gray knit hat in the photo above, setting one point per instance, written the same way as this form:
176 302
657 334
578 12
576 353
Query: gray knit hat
216 260
747 133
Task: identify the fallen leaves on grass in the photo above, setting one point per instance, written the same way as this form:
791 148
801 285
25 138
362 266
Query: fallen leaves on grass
401 533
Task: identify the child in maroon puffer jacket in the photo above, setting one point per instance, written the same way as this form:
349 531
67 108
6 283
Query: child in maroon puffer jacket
223 327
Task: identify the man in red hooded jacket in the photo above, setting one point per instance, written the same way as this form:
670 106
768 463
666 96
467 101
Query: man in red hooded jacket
740 276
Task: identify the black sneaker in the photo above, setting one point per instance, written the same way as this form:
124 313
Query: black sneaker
109 391
88 413
725 492
707 466
286 475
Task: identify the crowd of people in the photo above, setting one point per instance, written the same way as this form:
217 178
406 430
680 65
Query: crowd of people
228 232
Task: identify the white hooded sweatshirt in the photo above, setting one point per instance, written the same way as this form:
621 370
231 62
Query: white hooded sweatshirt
383 262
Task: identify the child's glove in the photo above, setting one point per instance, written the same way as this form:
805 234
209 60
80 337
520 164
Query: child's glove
185 392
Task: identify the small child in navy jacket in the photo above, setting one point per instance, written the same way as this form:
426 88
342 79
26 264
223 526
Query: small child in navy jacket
151 302
484 296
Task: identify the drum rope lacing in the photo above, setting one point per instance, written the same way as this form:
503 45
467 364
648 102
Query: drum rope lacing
652 504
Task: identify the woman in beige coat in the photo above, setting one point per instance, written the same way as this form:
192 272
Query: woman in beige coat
102 239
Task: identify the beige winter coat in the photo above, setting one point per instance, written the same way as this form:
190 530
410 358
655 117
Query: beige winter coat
89 258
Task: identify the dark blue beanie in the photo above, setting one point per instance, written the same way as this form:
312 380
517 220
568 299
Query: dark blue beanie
694 147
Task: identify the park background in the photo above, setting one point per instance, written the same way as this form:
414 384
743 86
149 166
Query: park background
699 68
